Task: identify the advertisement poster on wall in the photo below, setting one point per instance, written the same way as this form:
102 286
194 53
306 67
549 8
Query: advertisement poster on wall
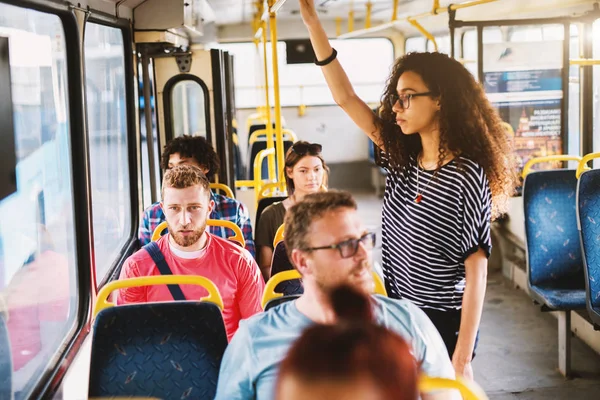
524 82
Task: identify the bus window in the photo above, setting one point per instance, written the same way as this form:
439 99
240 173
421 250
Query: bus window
596 78
38 287
188 114
107 126
490 35
367 62
415 44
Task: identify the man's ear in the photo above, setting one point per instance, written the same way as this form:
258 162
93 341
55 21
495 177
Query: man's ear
299 259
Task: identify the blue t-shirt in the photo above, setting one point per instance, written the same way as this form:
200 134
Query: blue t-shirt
250 364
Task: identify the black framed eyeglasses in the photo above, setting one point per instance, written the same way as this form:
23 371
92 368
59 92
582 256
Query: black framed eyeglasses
348 248
301 149
404 99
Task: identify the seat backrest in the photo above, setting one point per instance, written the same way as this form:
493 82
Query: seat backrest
264 203
553 246
280 300
281 263
5 359
163 350
589 223
255 148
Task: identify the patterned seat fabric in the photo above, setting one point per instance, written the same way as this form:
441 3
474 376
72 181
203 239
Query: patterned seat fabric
589 222
282 263
5 361
554 262
163 350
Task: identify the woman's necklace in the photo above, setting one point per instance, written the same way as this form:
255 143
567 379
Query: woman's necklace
419 193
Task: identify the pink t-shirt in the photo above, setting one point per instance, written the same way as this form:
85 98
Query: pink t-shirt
231 268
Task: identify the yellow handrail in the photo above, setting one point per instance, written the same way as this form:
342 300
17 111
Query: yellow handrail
554 158
278 132
264 190
213 292
270 294
279 235
268 125
237 237
224 188
159 230
583 62
258 169
582 166
468 390
256 135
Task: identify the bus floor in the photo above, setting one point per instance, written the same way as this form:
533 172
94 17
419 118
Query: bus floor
517 355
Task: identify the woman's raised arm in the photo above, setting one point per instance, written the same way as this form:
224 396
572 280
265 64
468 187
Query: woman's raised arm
337 80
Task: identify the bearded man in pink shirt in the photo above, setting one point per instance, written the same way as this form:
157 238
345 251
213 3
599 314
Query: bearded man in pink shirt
189 249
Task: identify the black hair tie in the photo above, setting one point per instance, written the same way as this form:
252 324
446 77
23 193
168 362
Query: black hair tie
327 60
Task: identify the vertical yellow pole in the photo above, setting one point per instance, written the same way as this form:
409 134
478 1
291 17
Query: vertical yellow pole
269 124
368 15
278 131
395 11
338 26
351 21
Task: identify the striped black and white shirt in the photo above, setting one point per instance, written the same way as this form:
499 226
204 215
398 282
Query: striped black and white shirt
425 243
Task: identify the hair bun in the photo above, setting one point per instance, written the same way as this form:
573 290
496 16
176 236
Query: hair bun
350 305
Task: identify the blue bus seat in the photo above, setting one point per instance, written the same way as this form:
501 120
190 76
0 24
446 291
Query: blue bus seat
588 212
280 263
6 367
255 148
555 274
280 300
264 203
168 350
554 262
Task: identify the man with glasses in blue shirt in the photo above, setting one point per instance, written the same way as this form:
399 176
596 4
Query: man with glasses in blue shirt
328 244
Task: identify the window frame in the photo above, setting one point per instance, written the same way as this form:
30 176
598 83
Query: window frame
129 246
168 104
48 381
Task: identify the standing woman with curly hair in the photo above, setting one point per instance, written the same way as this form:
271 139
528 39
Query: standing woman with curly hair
449 174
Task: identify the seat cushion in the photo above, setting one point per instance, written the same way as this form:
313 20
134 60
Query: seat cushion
560 299
164 350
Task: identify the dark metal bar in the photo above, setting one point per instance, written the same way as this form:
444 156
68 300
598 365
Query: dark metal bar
219 97
587 93
451 27
480 54
564 115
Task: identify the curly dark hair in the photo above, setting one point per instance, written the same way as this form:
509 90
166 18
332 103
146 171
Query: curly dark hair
469 125
195 147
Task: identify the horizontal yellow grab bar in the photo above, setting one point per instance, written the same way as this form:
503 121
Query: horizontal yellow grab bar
213 293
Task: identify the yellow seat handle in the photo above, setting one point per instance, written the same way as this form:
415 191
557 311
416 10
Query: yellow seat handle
554 158
286 134
270 294
582 167
468 390
213 293
279 235
266 188
159 230
226 189
237 237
